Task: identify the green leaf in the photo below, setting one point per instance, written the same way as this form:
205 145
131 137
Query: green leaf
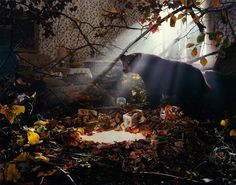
201 38
226 42
212 35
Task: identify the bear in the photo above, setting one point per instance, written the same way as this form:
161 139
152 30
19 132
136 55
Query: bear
221 98
185 83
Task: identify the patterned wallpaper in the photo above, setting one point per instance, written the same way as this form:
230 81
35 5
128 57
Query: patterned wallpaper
225 28
66 33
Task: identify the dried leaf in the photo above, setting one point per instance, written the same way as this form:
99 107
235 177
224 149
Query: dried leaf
48 173
172 20
184 2
194 52
203 61
33 138
41 157
189 45
41 122
22 157
232 133
224 122
180 16
216 3
17 109
188 10
5 110
12 174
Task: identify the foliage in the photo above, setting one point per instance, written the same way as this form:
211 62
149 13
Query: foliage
151 12
134 86
176 149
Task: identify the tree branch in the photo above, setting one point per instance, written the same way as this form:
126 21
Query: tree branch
99 78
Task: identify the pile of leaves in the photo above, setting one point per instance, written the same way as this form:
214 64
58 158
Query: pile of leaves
177 149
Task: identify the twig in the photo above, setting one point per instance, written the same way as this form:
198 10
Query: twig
98 79
230 25
89 44
67 175
170 176
42 181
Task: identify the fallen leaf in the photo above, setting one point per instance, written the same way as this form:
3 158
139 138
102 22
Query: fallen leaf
17 109
224 122
22 157
5 110
232 133
33 138
12 173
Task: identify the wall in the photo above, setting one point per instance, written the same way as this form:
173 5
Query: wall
66 33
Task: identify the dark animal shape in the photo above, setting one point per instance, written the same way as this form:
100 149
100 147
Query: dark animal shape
222 96
171 78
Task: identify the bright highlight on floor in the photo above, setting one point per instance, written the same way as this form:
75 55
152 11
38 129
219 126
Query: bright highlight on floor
112 136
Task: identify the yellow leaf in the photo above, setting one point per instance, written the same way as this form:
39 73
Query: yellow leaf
216 3
17 109
189 45
180 16
33 138
41 157
203 61
5 110
194 52
134 92
224 122
80 131
22 157
232 133
41 122
136 76
12 174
